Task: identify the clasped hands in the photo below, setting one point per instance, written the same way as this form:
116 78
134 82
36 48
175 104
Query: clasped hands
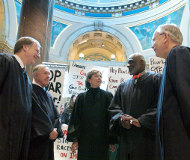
127 121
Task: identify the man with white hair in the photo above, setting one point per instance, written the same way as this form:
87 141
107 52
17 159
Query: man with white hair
173 114
46 126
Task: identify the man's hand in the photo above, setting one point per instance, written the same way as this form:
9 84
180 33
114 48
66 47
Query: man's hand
112 147
125 121
135 122
53 135
74 147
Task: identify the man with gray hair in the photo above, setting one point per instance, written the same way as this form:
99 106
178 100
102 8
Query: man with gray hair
16 99
133 112
46 126
173 114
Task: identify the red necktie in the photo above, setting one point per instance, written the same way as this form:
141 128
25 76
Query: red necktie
136 76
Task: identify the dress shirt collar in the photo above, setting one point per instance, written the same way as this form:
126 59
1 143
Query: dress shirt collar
19 61
34 82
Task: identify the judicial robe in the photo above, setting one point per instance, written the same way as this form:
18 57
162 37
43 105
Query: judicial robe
15 109
45 118
173 116
137 98
89 124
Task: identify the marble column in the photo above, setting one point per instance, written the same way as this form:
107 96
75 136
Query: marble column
36 21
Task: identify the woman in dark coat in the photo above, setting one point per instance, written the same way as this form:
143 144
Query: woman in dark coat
66 115
88 128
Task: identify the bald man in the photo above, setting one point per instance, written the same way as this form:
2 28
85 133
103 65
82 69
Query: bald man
173 116
133 112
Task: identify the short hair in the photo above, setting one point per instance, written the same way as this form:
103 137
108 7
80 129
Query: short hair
65 105
24 41
173 31
89 75
37 67
140 57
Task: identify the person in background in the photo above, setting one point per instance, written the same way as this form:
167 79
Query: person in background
173 115
133 112
89 125
46 126
66 115
62 108
16 99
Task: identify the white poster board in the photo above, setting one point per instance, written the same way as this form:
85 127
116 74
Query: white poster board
62 147
56 84
77 77
116 76
156 64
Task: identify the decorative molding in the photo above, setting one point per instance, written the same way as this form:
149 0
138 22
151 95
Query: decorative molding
5 47
125 6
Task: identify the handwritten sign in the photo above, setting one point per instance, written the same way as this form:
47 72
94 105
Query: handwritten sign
156 64
77 77
116 76
55 86
62 147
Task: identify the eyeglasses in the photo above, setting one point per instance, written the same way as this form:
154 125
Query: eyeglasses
159 34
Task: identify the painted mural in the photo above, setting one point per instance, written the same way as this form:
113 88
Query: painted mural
145 31
57 27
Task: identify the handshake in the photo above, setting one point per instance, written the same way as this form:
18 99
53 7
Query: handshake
127 121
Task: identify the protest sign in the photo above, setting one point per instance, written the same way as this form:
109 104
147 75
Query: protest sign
56 84
116 76
156 64
62 147
77 77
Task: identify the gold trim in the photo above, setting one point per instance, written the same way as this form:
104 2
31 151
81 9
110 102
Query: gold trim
62 22
5 47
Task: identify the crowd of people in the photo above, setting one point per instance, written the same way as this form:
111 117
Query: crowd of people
148 117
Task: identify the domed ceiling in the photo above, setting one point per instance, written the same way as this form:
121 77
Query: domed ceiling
106 8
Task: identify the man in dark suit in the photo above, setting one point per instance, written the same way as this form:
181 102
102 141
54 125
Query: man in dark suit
173 115
16 99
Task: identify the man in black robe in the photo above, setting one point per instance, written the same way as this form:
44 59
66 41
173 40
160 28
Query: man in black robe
16 99
133 112
45 118
173 116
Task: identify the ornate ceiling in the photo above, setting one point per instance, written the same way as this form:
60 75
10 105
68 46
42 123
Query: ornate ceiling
97 46
106 6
